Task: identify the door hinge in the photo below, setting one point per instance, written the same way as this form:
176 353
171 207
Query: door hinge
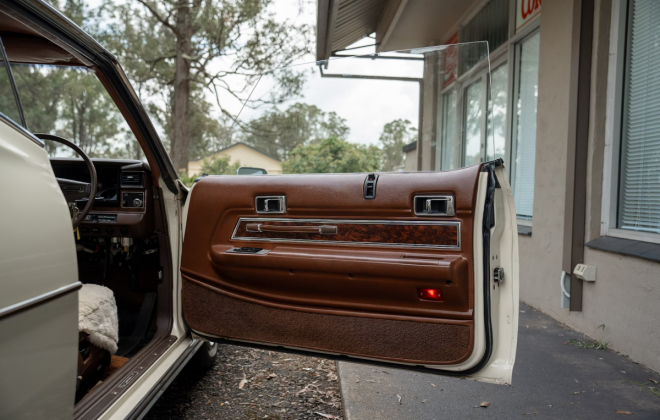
498 275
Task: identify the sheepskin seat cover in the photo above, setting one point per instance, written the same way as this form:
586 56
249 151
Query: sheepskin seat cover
97 316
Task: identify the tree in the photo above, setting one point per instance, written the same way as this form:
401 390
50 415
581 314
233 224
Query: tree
72 103
395 135
180 48
332 155
277 133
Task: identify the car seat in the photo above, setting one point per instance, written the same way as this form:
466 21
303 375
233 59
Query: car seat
98 331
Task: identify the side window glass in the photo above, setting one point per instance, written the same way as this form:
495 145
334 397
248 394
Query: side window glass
8 101
375 112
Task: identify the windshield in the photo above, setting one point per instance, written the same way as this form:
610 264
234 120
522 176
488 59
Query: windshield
72 103
367 113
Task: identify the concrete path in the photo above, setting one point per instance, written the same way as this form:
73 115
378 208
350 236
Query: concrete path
551 380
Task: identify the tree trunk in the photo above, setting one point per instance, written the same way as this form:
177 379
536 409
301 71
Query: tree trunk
180 144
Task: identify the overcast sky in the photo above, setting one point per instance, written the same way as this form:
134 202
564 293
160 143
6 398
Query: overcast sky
366 105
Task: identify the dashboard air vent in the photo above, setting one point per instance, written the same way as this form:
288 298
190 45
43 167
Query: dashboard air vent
132 179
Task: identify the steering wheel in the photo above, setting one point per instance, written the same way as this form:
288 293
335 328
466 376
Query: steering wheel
76 190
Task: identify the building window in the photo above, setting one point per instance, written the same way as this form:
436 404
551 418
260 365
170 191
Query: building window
485 116
478 142
448 133
524 125
472 122
497 113
639 187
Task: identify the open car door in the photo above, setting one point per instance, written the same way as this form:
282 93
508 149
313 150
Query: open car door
424 275
413 269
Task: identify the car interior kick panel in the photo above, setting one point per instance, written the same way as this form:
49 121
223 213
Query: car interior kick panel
330 271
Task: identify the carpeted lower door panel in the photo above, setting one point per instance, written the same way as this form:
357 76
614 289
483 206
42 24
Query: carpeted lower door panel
210 312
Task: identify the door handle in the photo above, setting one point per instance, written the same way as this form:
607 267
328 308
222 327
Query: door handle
323 230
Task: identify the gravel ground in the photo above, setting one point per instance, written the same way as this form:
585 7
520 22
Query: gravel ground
246 383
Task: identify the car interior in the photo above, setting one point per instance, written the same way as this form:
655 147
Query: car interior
118 248
121 237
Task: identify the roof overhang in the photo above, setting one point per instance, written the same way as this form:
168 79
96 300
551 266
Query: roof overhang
398 24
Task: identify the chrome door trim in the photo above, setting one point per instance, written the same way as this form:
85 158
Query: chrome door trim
28 303
350 222
279 198
451 211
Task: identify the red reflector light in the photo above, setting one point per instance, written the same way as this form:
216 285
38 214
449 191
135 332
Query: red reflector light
429 294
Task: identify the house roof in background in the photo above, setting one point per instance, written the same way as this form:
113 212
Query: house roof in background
410 146
243 144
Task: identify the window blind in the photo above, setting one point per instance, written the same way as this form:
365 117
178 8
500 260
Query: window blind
639 197
490 24
525 126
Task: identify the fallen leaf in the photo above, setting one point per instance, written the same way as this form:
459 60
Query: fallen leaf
423 401
242 383
432 384
623 412
484 404
654 381
399 397
533 412
271 376
327 416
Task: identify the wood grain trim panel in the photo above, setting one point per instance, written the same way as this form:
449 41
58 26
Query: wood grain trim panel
404 233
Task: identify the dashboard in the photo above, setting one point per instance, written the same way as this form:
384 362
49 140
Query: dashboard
123 206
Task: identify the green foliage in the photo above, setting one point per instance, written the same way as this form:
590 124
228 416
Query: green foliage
332 155
593 344
72 103
277 133
590 345
395 135
218 165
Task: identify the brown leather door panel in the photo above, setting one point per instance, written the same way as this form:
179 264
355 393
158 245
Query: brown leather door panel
324 278
339 274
